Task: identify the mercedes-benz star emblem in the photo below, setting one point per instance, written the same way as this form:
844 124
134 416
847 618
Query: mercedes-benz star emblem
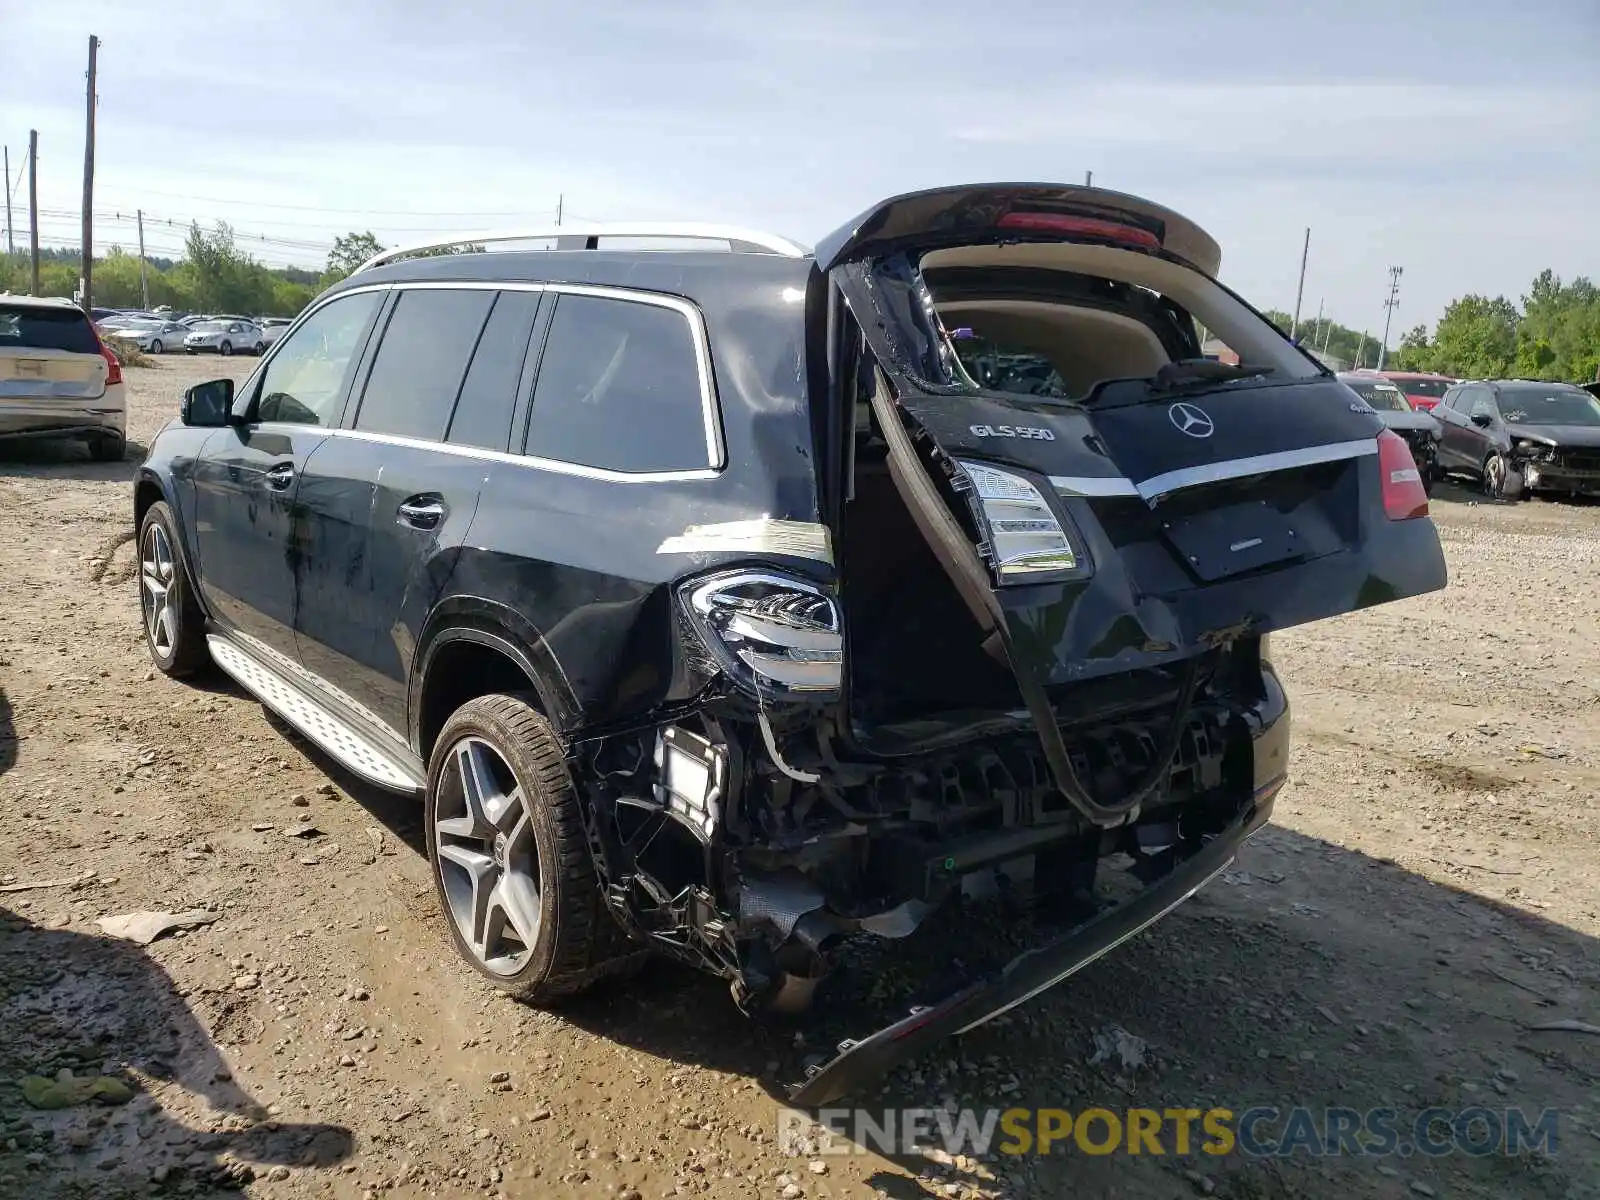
1196 422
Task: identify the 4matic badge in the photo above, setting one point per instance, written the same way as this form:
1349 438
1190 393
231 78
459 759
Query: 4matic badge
1196 422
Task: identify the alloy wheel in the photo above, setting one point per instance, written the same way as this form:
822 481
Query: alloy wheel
1494 476
157 570
487 859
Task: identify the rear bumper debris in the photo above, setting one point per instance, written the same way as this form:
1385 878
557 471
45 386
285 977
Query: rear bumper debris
861 1063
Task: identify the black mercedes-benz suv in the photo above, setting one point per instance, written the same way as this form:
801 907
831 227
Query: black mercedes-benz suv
743 602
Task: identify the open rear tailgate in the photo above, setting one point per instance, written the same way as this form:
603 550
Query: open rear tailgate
1149 524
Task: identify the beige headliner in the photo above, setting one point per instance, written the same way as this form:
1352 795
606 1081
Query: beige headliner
1214 307
1085 345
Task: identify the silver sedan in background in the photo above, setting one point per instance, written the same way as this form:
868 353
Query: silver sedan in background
153 337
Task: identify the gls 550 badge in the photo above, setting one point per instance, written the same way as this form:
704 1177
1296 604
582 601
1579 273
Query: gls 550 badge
1013 431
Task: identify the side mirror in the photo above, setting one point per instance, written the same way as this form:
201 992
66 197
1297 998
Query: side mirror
207 405
1482 420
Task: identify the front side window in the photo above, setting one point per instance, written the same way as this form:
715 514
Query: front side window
422 360
489 394
1483 404
303 382
619 388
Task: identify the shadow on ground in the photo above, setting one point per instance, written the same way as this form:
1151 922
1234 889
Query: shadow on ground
98 1006
1311 975
8 735
65 458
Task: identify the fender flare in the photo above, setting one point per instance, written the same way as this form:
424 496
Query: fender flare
501 628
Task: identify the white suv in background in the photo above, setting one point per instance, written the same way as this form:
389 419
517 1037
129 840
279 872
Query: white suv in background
57 378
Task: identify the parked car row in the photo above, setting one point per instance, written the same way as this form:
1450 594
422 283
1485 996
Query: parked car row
194 333
1509 436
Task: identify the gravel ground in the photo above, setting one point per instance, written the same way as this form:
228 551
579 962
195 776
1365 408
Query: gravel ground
1426 895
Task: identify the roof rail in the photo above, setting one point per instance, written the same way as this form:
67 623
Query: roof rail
587 236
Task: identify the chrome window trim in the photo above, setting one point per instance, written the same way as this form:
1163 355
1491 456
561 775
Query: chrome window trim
555 466
711 410
1164 484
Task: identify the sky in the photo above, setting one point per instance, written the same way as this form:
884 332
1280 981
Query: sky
1456 138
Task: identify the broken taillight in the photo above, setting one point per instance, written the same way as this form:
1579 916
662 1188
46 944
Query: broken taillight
1404 496
1095 227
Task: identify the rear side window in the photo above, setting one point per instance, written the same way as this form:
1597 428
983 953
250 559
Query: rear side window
25 327
422 360
483 413
619 388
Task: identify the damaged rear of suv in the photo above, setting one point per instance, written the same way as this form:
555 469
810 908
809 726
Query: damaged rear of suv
956 577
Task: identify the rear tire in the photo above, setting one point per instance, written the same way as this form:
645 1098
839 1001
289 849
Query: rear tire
259 349
511 860
174 626
108 448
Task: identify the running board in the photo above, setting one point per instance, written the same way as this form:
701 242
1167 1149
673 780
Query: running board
330 732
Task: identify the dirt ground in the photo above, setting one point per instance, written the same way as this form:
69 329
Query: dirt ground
1429 892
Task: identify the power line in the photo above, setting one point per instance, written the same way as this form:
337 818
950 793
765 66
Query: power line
371 212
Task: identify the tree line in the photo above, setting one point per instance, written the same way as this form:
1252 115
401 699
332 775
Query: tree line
214 275
1553 332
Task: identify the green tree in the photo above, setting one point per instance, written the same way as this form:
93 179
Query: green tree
1476 338
348 253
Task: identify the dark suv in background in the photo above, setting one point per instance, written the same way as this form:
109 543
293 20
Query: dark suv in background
1513 435
715 608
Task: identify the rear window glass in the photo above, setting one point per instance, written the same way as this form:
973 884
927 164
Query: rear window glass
24 327
619 388
1432 388
1384 396
422 361
483 413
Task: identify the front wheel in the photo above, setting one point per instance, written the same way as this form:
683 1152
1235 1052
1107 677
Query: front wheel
1500 480
156 347
226 349
174 626
511 862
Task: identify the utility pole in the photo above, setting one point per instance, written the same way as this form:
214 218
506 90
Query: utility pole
88 182
33 204
1305 253
1392 303
11 246
1361 348
1317 328
144 284
561 202
1088 179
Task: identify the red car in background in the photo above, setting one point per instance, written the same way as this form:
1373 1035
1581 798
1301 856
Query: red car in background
1424 390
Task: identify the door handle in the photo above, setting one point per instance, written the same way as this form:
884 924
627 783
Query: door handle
422 512
280 477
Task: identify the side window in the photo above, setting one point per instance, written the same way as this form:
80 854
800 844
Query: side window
421 361
1483 403
619 388
303 381
483 413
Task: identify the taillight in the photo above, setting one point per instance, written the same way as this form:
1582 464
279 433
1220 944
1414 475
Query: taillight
1404 496
113 364
1111 231
779 637
1023 538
